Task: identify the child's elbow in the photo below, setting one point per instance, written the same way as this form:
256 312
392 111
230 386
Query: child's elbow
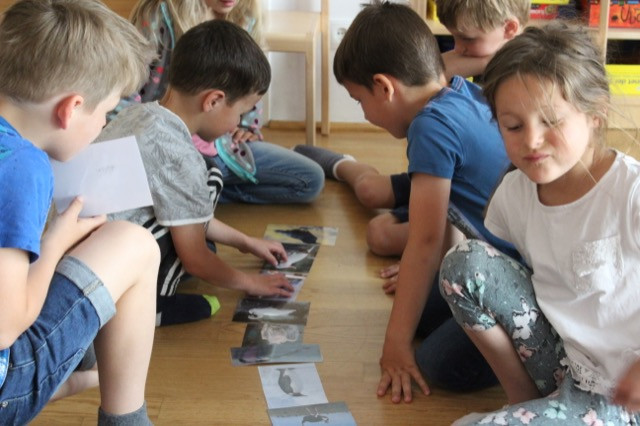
192 266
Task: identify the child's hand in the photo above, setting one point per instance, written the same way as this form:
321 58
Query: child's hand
398 366
271 251
390 274
627 393
243 135
269 285
67 229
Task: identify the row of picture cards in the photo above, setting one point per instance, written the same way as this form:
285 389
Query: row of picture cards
274 332
276 325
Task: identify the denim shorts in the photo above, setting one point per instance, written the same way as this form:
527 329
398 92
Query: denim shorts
44 356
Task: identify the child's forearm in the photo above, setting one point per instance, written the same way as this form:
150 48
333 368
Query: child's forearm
464 66
40 276
222 233
215 271
415 279
200 261
23 296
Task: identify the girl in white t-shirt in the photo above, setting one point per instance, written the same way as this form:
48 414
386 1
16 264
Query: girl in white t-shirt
561 334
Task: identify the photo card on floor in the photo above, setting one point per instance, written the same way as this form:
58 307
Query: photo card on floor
300 257
296 280
323 235
289 385
261 310
272 333
332 413
276 354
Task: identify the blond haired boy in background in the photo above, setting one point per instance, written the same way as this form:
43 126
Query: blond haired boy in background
479 28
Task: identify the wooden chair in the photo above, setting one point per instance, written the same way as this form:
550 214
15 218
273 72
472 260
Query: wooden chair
298 32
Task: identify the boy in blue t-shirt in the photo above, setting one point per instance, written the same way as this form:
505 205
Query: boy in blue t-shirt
83 279
456 158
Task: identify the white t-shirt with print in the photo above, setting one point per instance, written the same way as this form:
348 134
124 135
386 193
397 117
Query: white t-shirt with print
585 257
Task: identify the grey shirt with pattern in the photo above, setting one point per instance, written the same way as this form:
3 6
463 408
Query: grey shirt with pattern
183 190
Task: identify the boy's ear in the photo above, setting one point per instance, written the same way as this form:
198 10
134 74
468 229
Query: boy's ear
511 28
384 85
212 98
65 108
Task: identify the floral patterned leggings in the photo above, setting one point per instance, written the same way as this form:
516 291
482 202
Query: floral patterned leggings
485 288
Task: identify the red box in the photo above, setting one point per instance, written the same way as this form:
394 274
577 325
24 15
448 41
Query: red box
543 11
622 14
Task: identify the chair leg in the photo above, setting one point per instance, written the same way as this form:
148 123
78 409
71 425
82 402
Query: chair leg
310 95
325 127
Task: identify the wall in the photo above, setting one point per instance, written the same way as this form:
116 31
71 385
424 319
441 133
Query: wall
286 98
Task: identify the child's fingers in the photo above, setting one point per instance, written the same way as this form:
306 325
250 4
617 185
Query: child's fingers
625 396
389 287
279 252
95 221
279 285
74 208
390 271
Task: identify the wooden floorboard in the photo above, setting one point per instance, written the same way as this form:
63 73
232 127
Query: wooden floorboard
191 379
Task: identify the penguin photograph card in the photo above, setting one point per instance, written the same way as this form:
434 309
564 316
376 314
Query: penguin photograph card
332 413
274 354
300 257
262 310
272 333
288 385
323 235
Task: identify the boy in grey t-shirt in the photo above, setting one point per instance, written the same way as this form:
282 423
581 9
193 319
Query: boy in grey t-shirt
218 72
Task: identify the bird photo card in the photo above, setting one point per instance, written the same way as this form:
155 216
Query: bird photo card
288 385
332 413
300 257
260 310
274 354
296 280
272 333
323 235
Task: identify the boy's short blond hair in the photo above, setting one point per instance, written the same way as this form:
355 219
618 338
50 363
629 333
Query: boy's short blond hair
485 15
50 47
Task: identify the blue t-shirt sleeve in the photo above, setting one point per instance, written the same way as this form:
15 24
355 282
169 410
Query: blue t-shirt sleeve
434 147
25 199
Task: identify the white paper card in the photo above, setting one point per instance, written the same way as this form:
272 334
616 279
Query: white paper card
289 385
109 176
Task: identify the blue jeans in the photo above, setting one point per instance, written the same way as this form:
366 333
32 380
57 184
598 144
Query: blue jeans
45 355
284 176
446 356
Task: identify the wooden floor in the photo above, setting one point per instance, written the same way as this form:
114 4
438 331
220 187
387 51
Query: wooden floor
191 379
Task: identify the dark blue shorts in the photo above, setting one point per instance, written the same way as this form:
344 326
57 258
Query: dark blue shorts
401 186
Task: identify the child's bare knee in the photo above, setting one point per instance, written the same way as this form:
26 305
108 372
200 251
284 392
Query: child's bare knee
368 193
377 236
136 234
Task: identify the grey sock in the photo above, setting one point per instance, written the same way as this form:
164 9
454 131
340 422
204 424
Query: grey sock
327 159
89 359
136 418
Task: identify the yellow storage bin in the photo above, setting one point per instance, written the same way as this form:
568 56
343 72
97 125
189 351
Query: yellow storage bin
625 79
